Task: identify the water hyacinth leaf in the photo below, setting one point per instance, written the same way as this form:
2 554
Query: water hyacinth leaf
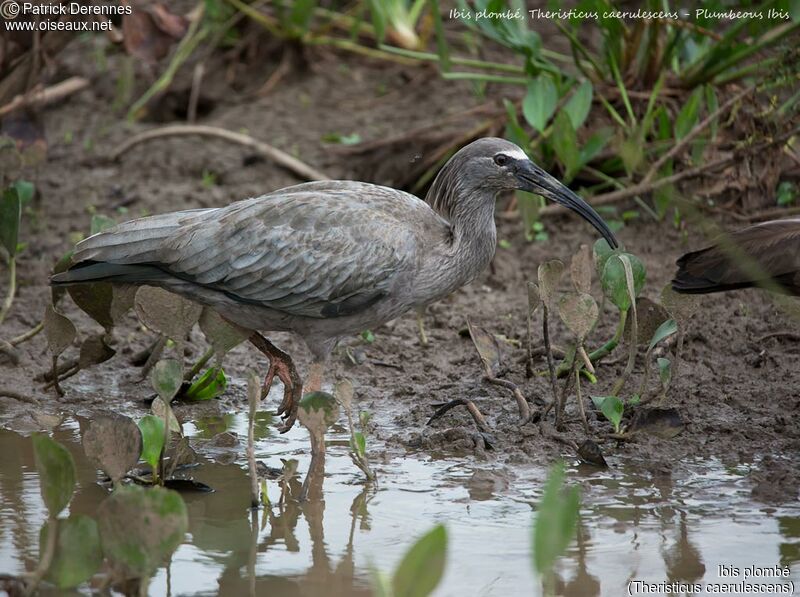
534 298
540 102
56 473
59 330
343 390
556 521
139 529
614 281
222 335
664 371
166 313
612 409
580 269
487 346
680 306
665 423
650 316
100 223
210 385
422 567
158 408
579 313
113 443
25 190
78 554
578 106
94 350
318 411
549 276
95 300
10 214
167 378
602 251
665 330
152 430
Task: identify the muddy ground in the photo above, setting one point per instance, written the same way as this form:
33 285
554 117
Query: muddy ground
739 397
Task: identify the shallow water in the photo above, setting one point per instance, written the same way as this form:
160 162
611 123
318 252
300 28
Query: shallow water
634 526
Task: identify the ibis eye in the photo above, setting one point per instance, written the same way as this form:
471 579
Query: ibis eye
501 159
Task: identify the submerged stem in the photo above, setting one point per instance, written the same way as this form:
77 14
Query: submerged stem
12 288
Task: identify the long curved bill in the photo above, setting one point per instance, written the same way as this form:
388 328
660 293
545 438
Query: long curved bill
536 180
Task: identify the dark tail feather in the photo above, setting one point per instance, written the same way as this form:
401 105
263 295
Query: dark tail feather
97 271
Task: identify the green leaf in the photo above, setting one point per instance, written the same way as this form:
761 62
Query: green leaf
665 330
167 378
614 283
10 212
712 104
317 411
786 193
595 144
611 407
210 385
302 11
565 144
687 117
100 223
359 443
140 528
540 102
368 336
664 371
602 251
78 554
578 106
56 472
421 569
25 190
152 429
113 443
556 521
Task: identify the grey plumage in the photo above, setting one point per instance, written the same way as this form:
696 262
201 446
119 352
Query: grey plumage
326 259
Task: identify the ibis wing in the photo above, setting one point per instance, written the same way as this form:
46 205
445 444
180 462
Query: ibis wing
297 254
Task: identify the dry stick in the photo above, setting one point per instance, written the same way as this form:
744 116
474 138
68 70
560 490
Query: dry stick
276 155
48 95
522 404
698 128
479 419
586 427
17 396
768 214
789 335
27 335
194 95
253 398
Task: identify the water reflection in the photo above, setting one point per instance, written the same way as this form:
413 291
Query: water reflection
638 522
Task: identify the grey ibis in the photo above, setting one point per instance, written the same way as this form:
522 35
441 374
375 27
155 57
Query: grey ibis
325 259
765 254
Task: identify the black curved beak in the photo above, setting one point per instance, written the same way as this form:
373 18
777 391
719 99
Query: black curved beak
535 180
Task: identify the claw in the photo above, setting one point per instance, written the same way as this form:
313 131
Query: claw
280 364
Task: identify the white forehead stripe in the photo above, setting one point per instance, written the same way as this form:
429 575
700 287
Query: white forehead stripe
517 154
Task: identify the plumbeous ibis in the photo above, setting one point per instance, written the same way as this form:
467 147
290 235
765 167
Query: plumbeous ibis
325 259
759 255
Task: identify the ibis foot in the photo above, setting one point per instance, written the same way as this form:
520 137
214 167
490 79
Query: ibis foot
280 364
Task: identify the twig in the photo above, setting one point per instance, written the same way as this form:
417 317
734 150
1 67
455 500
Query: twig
194 95
18 396
283 68
253 398
581 410
276 155
522 404
479 419
27 335
48 95
698 128
12 288
768 214
789 335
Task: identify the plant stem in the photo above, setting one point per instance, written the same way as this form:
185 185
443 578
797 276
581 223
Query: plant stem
46 558
27 335
471 62
580 402
620 383
252 399
549 351
602 351
12 288
199 365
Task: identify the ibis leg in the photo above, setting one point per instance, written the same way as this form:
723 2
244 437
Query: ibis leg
280 364
314 377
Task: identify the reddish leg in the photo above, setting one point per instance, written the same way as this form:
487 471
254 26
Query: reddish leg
280 364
